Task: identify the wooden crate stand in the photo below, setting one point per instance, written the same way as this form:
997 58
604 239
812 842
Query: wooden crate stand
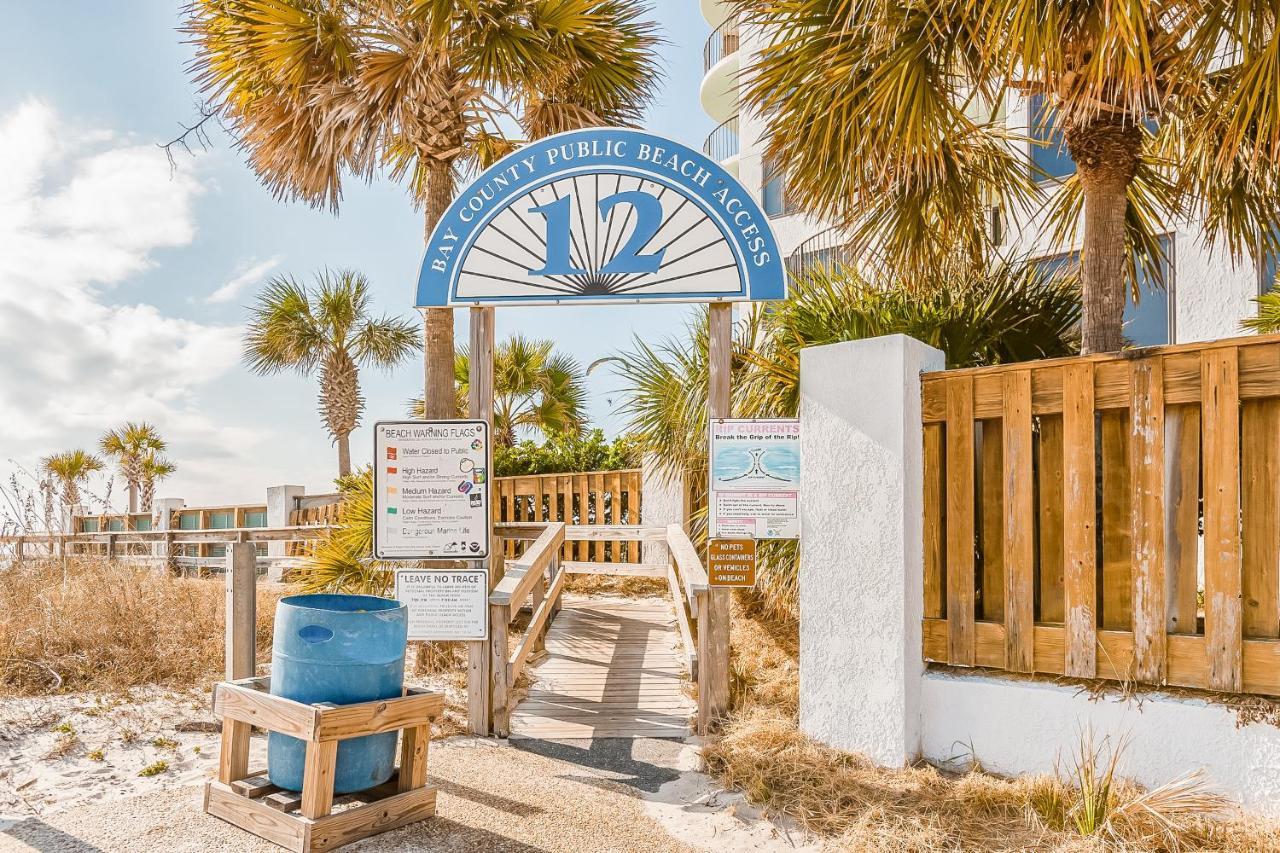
306 821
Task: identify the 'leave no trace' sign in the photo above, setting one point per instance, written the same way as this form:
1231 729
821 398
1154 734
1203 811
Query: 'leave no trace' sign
445 604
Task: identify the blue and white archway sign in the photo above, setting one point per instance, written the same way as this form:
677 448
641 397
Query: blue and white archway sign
598 216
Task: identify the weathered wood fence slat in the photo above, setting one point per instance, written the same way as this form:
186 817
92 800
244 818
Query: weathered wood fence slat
1110 516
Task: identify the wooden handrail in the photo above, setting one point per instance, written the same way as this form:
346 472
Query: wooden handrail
522 573
687 563
534 632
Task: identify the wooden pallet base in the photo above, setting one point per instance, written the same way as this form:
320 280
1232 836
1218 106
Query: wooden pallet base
315 819
301 834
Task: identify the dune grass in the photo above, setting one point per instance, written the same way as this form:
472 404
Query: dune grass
89 624
1086 805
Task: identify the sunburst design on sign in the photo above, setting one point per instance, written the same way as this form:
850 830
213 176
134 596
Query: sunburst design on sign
604 235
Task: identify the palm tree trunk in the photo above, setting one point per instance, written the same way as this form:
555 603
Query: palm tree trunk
344 454
1106 152
437 352
340 403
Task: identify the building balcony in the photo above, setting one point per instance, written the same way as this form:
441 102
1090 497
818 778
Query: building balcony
719 92
721 43
829 248
722 144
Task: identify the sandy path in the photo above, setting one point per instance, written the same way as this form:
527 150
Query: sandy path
542 796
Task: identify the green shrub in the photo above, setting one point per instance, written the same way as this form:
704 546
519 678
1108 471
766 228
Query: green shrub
567 454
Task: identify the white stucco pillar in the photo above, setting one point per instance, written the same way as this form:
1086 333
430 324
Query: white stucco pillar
661 503
162 510
862 558
280 502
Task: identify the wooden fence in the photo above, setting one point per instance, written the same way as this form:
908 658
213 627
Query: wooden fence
592 498
1111 517
325 515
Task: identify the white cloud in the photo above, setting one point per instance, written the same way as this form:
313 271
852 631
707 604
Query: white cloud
81 212
248 274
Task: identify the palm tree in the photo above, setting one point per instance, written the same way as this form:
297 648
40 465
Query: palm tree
154 467
129 445
1267 322
885 118
534 388
71 468
316 90
326 328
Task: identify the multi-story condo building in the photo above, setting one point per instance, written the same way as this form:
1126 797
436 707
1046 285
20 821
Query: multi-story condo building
1204 294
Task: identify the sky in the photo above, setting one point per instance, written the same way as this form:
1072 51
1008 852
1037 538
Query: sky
123 281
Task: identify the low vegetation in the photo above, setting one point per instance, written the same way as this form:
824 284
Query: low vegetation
1085 806
93 624
1008 311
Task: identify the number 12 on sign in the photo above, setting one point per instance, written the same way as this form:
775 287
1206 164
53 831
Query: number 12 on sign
627 260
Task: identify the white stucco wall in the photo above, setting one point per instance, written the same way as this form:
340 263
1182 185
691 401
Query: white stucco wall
862 564
1014 727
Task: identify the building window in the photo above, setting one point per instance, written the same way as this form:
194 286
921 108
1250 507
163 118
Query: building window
189 521
1049 157
1149 322
774 192
88 525
142 522
255 518
774 197
115 524
221 520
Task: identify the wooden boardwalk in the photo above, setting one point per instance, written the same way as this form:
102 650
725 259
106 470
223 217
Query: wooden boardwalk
613 669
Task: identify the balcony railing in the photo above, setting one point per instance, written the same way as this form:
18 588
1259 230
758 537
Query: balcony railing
722 143
829 248
723 42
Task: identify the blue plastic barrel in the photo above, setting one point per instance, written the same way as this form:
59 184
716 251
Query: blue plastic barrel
340 649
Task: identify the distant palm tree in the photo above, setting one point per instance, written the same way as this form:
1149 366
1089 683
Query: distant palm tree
326 328
129 445
533 388
71 468
315 91
154 467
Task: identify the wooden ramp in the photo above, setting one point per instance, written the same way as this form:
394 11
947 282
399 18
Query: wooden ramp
613 669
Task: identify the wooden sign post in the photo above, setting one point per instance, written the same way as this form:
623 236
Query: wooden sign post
480 407
713 628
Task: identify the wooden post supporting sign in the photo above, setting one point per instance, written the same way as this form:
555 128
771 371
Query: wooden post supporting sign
480 407
713 626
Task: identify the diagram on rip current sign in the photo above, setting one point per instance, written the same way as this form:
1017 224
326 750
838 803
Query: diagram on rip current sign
755 478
